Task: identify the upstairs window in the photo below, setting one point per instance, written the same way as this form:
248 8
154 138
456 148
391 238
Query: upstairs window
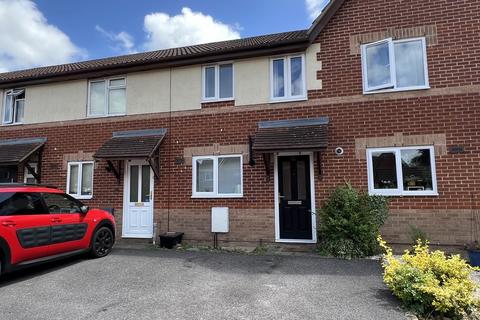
14 106
80 179
218 82
287 78
395 65
402 171
107 97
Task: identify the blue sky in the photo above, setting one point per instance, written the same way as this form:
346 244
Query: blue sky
59 31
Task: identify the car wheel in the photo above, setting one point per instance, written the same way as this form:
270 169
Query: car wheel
102 242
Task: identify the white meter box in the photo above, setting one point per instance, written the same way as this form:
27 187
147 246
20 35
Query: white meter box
220 219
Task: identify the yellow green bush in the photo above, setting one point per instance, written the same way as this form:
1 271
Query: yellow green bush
429 282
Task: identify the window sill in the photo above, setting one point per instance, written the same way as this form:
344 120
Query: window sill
396 90
280 100
81 197
12 124
217 196
217 100
409 194
105 116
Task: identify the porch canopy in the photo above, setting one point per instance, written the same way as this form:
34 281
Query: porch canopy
291 135
138 144
16 152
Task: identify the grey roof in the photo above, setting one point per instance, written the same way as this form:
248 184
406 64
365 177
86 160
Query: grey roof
201 53
16 151
298 134
131 144
208 50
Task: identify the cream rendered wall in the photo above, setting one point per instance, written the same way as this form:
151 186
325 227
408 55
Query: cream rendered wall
252 77
252 81
312 66
187 88
2 101
56 101
148 92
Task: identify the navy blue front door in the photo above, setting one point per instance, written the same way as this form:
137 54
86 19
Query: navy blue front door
294 190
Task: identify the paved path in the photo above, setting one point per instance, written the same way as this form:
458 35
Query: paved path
160 284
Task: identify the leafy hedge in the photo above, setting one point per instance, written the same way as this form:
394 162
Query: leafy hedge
430 283
350 223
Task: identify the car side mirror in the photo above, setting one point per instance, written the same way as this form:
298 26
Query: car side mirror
84 209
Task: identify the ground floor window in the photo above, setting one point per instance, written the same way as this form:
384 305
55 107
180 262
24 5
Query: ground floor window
80 179
8 174
28 178
402 171
217 176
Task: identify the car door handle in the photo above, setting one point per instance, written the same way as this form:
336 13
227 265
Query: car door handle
8 224
56 220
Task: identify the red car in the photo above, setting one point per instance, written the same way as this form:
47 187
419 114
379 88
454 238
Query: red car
39 223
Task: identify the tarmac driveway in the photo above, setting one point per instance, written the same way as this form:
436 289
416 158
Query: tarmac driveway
160 284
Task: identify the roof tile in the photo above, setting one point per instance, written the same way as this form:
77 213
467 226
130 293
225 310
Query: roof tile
159 56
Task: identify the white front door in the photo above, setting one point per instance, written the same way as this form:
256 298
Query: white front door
138 200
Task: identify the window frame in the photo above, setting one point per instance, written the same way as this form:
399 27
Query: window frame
107 88
13 118
399 191
393 77
215 193
27 174
80 164
287 81
217 82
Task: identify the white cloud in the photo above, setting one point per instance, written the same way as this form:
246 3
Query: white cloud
28 40
122 42
187 28
315 7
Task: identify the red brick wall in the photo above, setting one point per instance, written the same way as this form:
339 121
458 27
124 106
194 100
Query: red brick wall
453 62
453 115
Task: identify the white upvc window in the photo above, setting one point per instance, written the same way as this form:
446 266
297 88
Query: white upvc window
217 176
394 65
14 106
28 178
217 82
287 78
402 171
107 97
80 179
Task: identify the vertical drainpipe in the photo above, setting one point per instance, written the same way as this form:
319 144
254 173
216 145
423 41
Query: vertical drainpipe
170 140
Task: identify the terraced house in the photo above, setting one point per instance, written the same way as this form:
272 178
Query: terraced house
382 94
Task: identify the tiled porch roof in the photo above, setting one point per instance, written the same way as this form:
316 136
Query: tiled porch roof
17 151
285 135
131 145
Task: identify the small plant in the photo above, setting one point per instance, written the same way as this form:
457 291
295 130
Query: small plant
473 246
417 234
430 283
350 223
260 250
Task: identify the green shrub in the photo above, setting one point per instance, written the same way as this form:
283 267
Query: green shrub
417 234
350 223
430 282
